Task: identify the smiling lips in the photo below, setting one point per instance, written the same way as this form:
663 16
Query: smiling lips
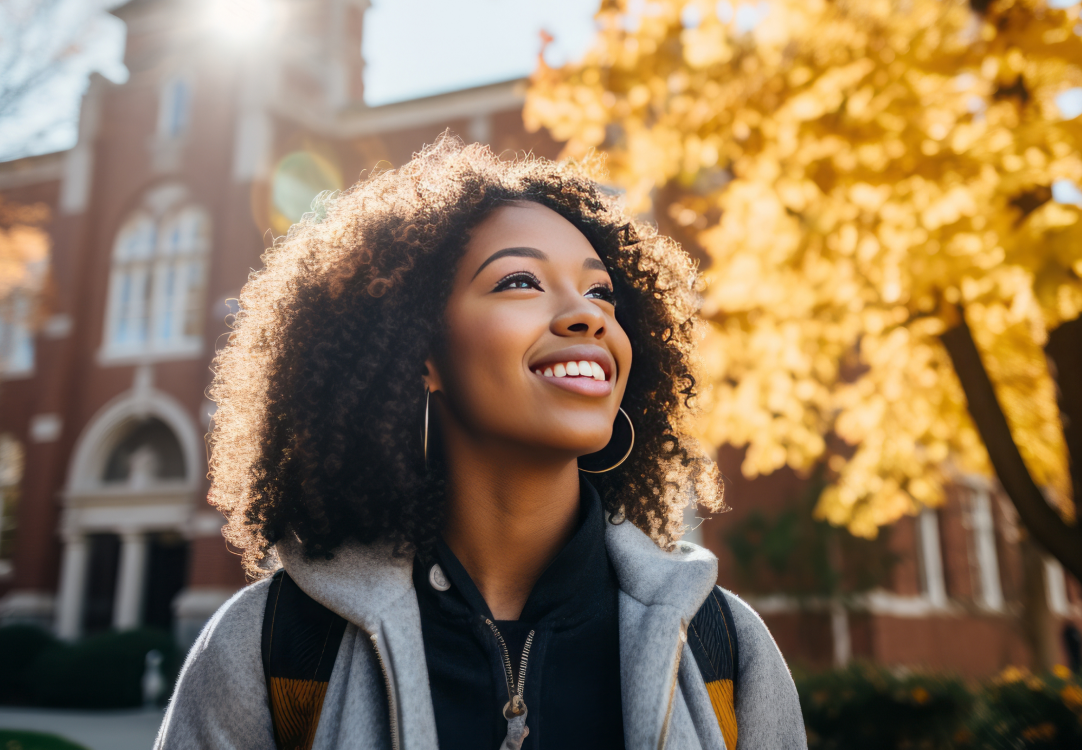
584 369
581 369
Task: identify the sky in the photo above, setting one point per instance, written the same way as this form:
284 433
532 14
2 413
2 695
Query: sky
49 118
412 48
454 44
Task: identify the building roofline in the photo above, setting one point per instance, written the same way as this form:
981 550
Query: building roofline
130 7
32 170
360 120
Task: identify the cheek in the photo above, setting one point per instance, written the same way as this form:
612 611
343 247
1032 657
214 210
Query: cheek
486 351
620 346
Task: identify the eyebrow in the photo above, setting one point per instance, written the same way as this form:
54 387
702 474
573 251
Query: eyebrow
591 264
512 252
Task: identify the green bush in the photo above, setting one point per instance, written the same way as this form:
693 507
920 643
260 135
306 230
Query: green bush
11 739
1021 711
103 671
865 706
20 647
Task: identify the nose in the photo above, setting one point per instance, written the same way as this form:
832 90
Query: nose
580 317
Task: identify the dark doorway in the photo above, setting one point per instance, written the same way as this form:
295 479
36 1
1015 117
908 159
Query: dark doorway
167 571
104 561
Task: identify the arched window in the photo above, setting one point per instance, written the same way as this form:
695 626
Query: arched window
133 259
148 453
182 244
11 475
156 290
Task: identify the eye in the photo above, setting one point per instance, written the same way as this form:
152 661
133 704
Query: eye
602 292
518 280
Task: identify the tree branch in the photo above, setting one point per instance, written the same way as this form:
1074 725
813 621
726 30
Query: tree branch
1044 524
1064 350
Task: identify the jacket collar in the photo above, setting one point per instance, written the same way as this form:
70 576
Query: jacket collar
569 591
362 582
660 594
680 579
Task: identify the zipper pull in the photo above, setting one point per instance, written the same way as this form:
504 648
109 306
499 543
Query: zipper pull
514 707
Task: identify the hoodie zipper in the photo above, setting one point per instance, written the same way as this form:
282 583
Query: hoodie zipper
392 704
516 706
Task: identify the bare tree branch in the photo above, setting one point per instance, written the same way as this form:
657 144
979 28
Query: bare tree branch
32 55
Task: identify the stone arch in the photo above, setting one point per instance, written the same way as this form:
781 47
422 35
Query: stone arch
115 421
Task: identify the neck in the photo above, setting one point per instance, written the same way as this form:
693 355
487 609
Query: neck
508 515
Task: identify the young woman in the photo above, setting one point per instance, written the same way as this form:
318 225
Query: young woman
453 410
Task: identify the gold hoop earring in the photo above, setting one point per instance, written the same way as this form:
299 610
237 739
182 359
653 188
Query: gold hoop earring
424 433
605 457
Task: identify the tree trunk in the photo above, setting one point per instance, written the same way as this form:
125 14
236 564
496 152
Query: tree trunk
1064 350
1044 524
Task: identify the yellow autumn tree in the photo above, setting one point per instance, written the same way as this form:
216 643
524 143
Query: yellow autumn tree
871 184
24 254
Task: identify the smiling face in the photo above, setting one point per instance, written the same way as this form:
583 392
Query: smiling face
534 358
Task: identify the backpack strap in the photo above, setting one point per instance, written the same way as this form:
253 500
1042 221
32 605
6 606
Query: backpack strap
300 643
712 637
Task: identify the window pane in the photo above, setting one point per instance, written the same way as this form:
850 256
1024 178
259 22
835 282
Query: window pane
192 309
184 233
135 240
132 307
16 338
175 108
165 300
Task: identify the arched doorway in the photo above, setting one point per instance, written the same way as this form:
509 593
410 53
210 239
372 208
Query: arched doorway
131 490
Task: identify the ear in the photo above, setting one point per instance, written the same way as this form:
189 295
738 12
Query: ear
432 376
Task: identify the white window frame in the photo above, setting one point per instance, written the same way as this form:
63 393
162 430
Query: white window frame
16 335
933 583
983 556
175 107
161 256
1056 587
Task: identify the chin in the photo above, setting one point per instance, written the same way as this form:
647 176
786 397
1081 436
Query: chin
581 445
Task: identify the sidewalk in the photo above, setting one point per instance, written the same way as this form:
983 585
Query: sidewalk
97 730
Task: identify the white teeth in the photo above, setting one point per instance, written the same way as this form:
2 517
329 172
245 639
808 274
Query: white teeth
582 369
537 372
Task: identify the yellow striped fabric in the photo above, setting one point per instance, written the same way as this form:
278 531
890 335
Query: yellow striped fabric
721 698
295 708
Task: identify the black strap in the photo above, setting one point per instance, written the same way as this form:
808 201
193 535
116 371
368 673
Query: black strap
300 643
713 641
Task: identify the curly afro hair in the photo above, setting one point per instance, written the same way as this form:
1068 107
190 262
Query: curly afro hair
319 390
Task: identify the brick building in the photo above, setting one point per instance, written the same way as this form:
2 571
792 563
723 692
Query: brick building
159 213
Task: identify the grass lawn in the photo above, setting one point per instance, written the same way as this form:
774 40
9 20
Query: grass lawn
13 739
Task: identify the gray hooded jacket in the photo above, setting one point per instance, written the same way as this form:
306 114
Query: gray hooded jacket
378 696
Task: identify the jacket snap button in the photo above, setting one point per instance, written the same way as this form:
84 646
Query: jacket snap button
438 579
